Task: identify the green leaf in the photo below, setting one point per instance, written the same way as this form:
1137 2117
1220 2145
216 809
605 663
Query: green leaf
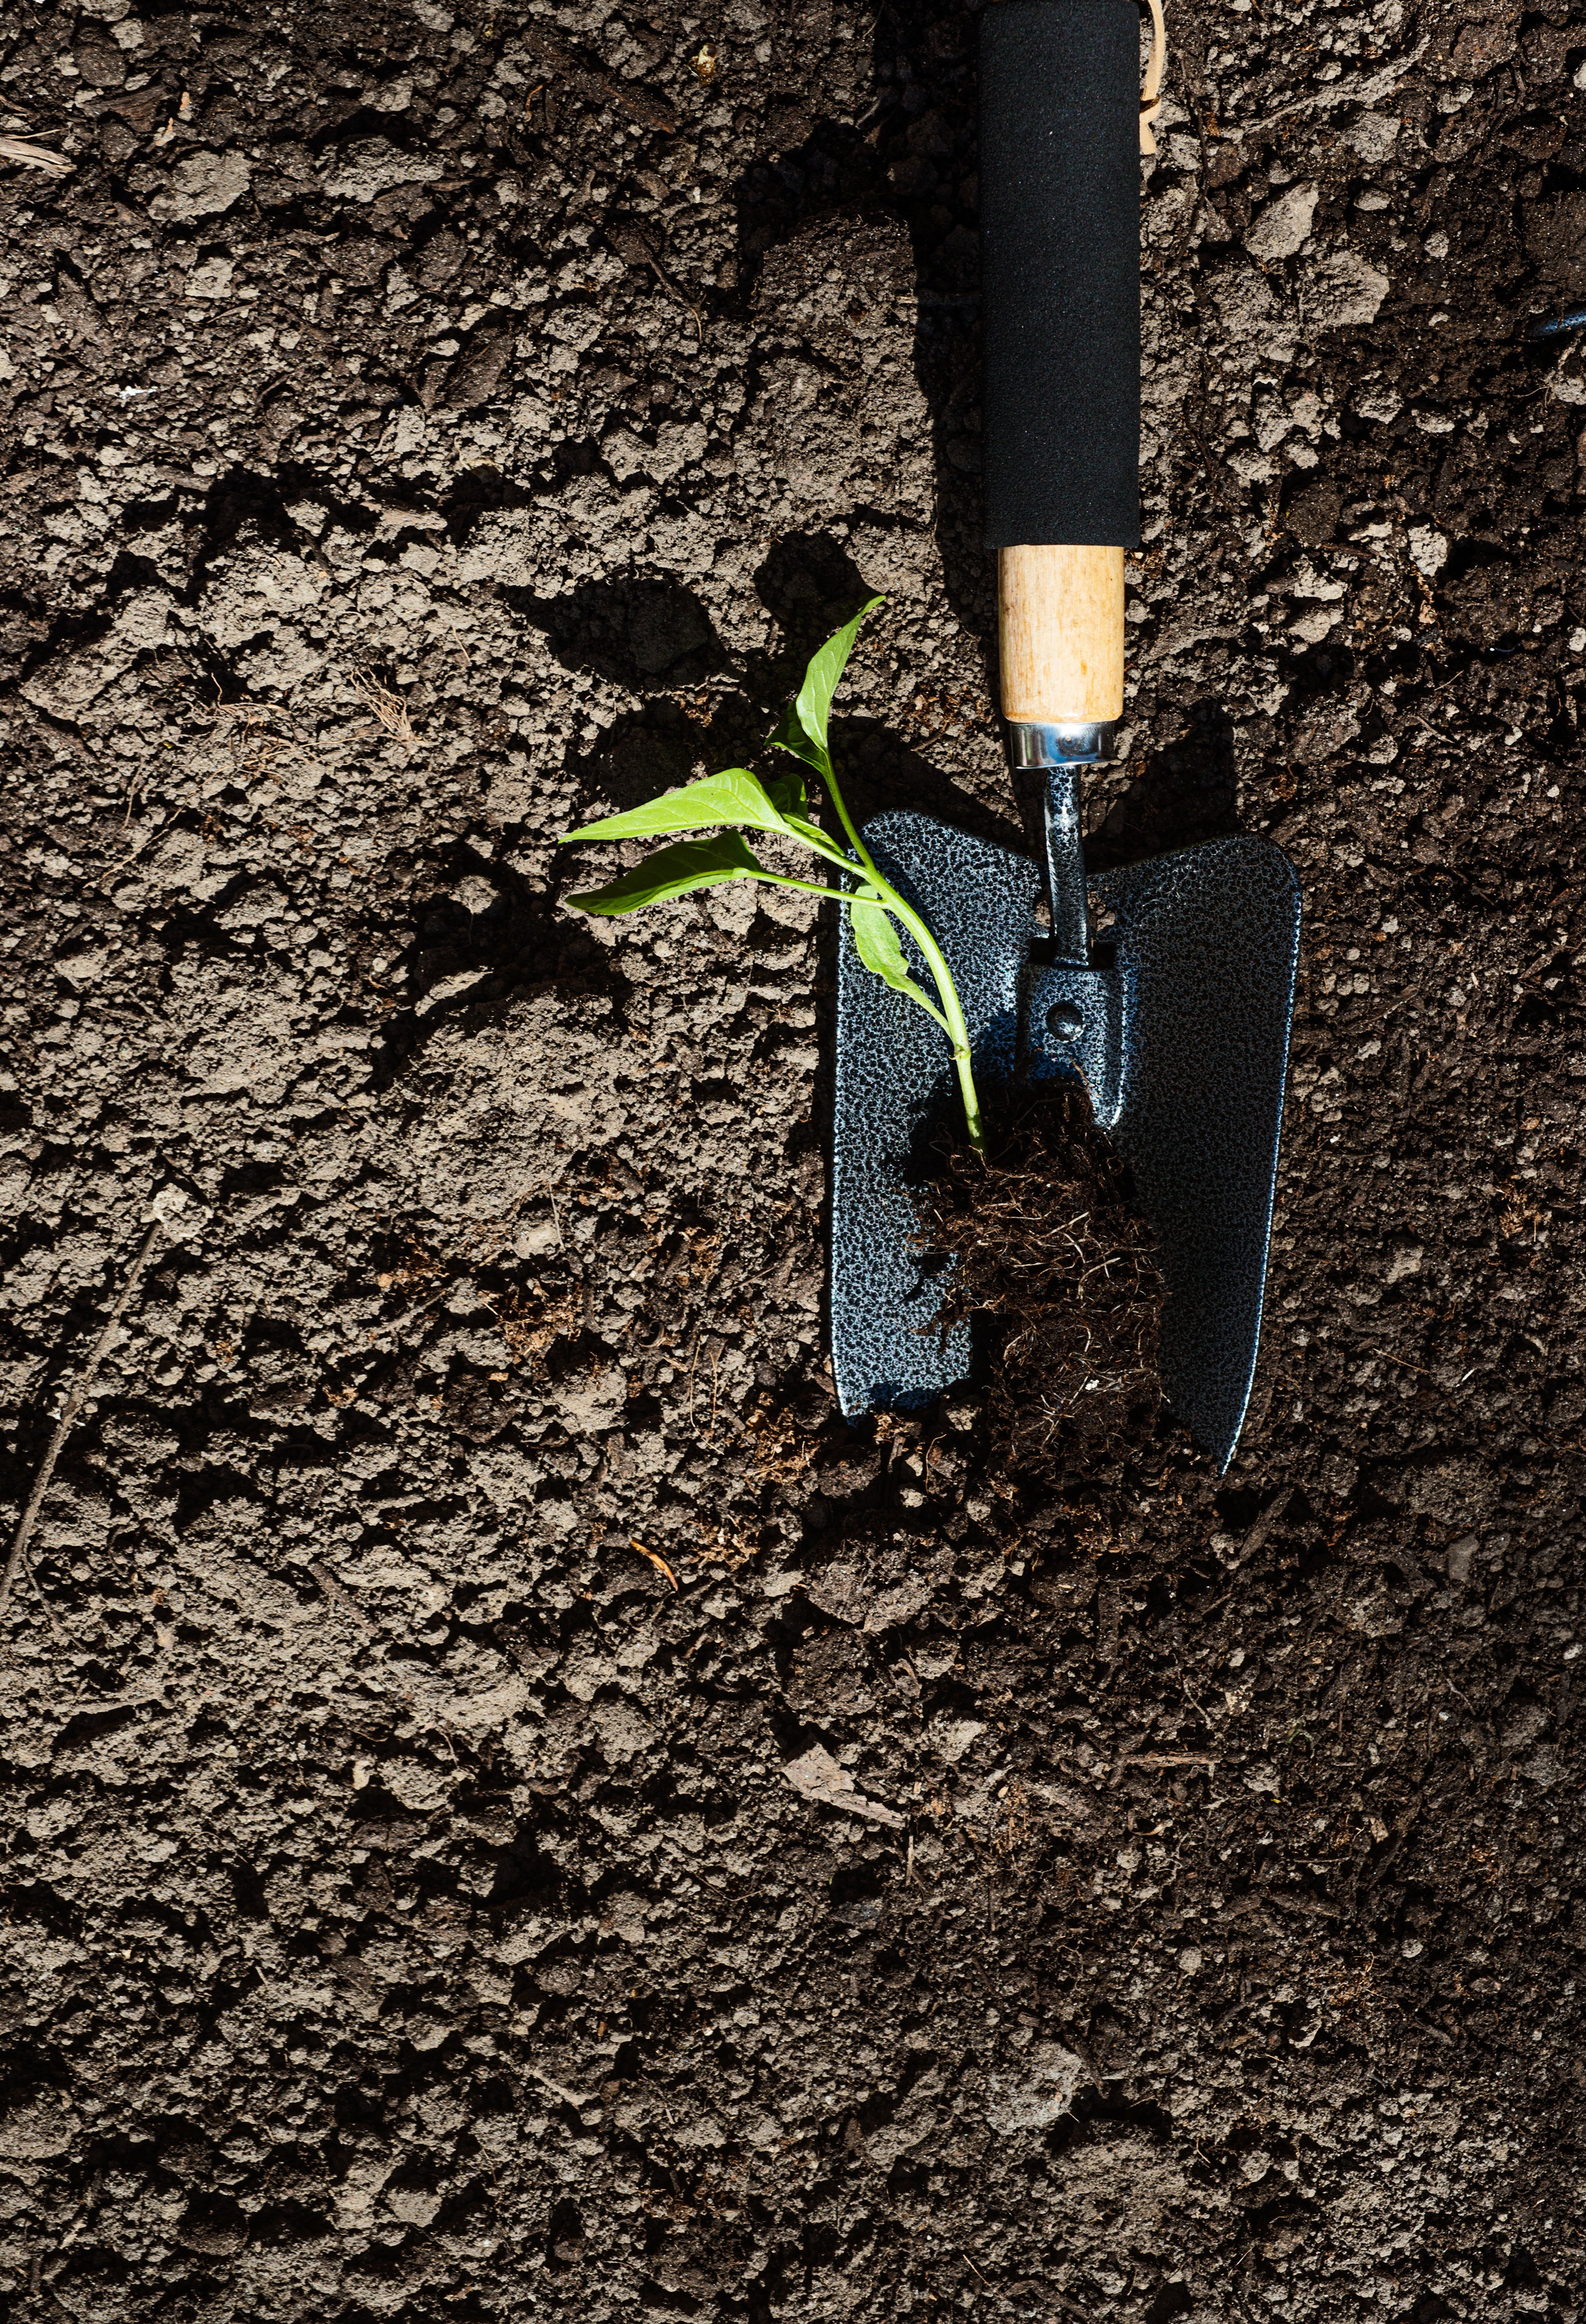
789 734
804 725
875 940
787 793
733 797
822 678
672 872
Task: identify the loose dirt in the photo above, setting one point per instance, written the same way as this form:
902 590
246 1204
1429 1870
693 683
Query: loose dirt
428 427
1039 1245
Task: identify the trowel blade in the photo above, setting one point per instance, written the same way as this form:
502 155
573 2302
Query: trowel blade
1204 946
895 1089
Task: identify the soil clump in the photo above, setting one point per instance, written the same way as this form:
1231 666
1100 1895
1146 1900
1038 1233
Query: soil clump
1039 1237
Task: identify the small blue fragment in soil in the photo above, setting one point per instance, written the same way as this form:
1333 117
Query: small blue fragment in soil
1564 323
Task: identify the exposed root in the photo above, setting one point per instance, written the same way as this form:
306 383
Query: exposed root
391 711
1041 1236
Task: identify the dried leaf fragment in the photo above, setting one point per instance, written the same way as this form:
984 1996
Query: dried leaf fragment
817 1776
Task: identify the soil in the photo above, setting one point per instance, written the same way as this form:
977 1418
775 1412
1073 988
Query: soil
1038 1243
513 1807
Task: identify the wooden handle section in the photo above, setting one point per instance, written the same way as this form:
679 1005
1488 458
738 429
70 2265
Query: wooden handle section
1060 623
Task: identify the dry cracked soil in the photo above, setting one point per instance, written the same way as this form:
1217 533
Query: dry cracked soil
511 1807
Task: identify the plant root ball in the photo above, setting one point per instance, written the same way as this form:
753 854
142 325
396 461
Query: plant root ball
1042 1237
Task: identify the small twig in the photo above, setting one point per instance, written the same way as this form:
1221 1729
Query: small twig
387 1331
633 248
74 1404
333 1590
659 1562
34 157
1166 1759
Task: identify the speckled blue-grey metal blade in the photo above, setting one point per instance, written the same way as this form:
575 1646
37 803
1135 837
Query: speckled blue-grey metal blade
896 1088
1205 947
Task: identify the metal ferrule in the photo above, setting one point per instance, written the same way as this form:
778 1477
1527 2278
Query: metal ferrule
1082 744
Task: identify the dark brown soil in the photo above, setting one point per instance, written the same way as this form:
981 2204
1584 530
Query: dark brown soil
1040 1236
513 1810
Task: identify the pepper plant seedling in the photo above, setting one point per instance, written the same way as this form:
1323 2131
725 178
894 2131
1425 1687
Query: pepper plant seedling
735 801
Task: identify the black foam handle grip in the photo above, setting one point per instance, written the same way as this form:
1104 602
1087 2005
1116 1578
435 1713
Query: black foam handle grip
1060 239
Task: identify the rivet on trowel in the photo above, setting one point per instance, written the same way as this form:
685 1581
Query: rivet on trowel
1065 1021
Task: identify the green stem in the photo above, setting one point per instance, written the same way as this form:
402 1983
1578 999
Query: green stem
957 1030
807 887
952 1019
846 820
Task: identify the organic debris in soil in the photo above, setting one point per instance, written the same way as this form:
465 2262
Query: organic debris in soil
1041 1235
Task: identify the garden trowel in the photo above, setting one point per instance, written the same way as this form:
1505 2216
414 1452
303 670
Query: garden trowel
1174 1004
